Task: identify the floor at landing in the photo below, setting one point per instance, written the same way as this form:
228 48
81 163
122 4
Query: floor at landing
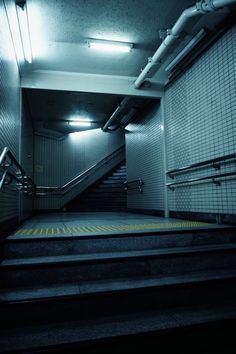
79 224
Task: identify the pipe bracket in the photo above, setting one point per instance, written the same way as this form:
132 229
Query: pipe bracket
206 6
153 62
217 183
162 34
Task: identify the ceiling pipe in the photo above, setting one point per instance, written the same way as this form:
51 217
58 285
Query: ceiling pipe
200 8
115 114
186 50
125 120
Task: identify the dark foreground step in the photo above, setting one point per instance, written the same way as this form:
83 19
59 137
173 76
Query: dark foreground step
59 269
103 241
86 300
74 334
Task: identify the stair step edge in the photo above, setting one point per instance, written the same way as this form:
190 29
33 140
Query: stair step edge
113 256
136 233
53 336
32 294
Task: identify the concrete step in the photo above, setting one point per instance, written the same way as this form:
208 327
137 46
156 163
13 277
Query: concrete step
109 190
99 208
23 246
108 197
86 300
83 334
121 173
97 203
112 182
58 291
113 265
117 176
100 204
108 193
109 187
103 198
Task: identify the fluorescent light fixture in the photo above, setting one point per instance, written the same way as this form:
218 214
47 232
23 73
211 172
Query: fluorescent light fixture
187 49
110 46
80 124
22 16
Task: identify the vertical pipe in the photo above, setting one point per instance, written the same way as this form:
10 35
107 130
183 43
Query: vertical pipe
164 149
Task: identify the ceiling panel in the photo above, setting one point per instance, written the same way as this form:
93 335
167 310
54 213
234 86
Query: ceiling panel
52 105
54 109
60 29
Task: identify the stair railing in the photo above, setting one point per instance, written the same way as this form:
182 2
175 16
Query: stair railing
13 176
214 163
67 187
136 184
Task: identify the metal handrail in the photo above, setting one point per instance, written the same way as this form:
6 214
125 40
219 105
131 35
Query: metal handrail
213 178
67 187
214 162
14 172
133 185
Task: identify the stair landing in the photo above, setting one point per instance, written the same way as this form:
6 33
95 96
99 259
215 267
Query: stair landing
83 223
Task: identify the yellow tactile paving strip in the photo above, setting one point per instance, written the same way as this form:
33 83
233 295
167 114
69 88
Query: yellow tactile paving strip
93 229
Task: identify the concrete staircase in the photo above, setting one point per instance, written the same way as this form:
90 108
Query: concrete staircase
76 292
107 194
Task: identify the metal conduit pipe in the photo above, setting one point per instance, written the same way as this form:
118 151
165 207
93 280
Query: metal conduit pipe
201 7
115 114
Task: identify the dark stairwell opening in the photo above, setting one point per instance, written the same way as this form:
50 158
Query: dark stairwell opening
106 194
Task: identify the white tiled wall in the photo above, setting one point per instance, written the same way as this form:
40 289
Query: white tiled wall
144 158
26 158
200 120
201 124
56 162
9 111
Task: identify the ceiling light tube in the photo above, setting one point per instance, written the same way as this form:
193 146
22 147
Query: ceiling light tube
80 124
22 16
110 46
187 49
